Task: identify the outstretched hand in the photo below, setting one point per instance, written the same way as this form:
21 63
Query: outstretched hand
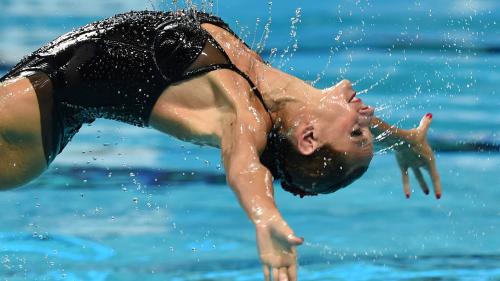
415 153
276 243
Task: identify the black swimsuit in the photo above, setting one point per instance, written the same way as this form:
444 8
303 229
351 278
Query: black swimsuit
118 67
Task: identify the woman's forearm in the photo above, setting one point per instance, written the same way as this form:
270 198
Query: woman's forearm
255 193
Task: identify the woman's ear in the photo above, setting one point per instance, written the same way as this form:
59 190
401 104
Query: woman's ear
307 142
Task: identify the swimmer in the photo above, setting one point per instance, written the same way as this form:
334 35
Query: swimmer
188 75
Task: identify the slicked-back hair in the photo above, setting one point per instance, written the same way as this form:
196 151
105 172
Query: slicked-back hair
323 171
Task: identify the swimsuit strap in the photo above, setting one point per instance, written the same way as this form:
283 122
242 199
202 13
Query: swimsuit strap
229 65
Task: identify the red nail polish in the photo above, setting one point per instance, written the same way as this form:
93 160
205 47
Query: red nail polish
438 195
407 196
428 115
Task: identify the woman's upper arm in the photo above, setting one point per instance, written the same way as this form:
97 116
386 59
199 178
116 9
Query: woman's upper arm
239 152
248 178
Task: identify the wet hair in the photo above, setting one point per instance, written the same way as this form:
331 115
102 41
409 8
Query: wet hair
323 171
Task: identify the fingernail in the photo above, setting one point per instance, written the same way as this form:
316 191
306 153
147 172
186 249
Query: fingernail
426 192
428 115
438 195
407 195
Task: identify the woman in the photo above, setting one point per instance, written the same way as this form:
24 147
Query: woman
188 75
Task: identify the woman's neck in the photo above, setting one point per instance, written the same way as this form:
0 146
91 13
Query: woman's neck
279 88
288 98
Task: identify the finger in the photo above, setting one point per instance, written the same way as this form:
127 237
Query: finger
425 123
436 181
406 181
294 240
276 274
421 180
292 272
267 276
283 274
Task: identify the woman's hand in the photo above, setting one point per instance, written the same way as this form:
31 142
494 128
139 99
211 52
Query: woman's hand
276 243
415 153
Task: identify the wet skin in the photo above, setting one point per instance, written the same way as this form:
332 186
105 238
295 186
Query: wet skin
220 109
349 129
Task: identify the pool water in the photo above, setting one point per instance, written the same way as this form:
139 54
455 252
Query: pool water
124 203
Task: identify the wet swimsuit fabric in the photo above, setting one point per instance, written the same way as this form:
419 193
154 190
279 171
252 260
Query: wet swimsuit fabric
117 68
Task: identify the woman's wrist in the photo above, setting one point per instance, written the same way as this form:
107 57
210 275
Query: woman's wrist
265 215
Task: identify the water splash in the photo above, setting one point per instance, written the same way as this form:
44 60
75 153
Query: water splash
377 83
287 54
153 6
267 30
257 22
322 73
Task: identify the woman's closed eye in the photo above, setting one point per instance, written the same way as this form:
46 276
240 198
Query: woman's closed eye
356 133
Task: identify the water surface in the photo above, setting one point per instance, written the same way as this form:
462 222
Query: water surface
100 214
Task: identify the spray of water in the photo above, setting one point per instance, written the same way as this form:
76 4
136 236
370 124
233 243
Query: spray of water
287 54
153 6
267 29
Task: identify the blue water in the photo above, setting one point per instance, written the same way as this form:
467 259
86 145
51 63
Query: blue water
124 203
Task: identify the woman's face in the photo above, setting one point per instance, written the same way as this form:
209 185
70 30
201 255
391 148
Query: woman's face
344 123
